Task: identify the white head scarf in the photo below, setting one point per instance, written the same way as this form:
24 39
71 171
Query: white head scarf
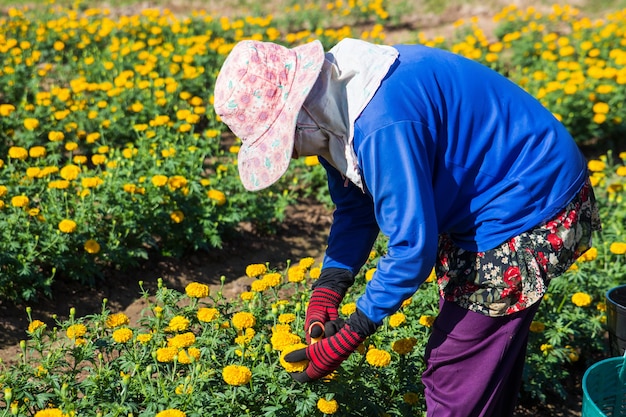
351 74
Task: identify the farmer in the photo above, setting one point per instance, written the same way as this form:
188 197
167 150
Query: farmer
461 170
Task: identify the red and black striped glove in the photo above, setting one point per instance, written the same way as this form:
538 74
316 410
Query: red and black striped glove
328 292
325 356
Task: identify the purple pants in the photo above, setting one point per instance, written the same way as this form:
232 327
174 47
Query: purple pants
474 362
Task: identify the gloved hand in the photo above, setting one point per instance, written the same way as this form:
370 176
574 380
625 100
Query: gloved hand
328 291
325 356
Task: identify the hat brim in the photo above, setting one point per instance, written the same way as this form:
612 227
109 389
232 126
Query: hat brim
264 161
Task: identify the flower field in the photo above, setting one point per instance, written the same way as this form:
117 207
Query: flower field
111 152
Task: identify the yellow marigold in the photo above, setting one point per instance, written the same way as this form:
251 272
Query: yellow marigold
618 248
55 136
621 171
188 356
411 398
197 290
236 375
404 346
70 172
159 180
178 324
255 270
327 406
546 347
122 335
67 226
217 196
272 279
37 152
166 354
246 295
286 318
589 255
306 263
406 302
144 338
596 165
396 319
348 309
427 320
182 340
92 247
432 277
17 152
259 285
177 216
20 201
601 107
76 331
171 412
293 366
117 320
281 339
296 274
31 123
315 273
601 306
50 412
6 109
3 190
370 274
207 314
581 299
34 325
537 327
243 320
377 357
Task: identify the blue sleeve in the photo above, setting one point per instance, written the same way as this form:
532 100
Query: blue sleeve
397 171
354 229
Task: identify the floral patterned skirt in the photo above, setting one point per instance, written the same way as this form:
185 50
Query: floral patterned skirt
516 274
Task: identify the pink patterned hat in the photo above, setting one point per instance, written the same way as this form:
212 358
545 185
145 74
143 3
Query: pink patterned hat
258 94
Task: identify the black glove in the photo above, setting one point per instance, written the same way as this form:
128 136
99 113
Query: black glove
325 356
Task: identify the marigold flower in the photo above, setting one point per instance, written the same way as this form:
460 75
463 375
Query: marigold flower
286 318
581 299
166 354
397 319
621 171
117 320
377 357
197 290
34 325
348 309
144 338
92 247
67 226
76 330
177 182
236 375
311 161
182 340
246 295
55 136
601 306
159 180
411 398
255 270
596 165
618 248
122 335
207 314
281 339
315 273
293 366
259 285
426 320
31 123
217 196
327 406
3 190
50 412
70 172
404 346
19 201
537 327
590 255
188 356
369 274
172 412
37 152
243 320
6 109
296 274
306 263
17 152
272 279
178 324
546 348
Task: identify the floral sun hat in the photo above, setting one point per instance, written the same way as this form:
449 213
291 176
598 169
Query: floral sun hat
258 94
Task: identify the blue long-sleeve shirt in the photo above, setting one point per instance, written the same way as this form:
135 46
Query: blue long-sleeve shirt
446 145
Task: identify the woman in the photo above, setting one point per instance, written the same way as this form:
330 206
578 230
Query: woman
456 165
